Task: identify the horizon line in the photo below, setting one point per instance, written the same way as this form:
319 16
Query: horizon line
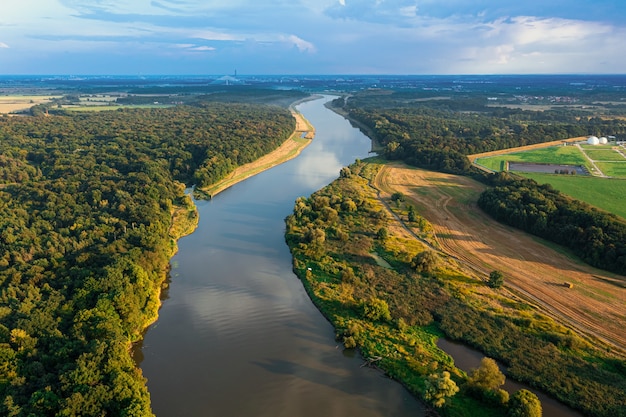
139 75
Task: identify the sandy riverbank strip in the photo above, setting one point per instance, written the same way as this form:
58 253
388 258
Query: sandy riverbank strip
299 139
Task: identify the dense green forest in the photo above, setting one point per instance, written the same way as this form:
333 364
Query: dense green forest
86 203
596 237
438 133
394 311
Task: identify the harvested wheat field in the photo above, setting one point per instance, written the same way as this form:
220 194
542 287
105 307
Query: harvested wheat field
595 303
10 104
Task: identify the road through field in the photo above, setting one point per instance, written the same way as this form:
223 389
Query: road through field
595 304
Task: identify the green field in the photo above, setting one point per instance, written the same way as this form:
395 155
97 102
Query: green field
563 155
613 169
604 155
596 147
606 194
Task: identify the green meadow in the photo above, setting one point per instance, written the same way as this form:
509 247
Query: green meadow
564 155
606 194
596 147
613 169
604 155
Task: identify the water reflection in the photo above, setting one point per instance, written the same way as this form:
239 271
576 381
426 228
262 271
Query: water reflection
323 164
238 335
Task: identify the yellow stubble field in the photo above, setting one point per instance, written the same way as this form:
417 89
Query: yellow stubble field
15 103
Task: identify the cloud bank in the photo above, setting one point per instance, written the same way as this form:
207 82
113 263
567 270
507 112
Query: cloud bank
309 36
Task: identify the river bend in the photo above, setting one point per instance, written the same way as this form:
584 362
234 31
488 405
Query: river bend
237 335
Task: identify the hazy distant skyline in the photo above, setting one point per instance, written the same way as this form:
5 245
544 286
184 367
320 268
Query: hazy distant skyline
312 37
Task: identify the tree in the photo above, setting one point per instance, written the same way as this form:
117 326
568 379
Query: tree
348 205
524 404
425 261
376 309
439 387
392 150
382 233
315 236
411 215
487 376
496 279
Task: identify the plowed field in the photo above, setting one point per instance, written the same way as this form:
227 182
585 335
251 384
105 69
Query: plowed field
596 305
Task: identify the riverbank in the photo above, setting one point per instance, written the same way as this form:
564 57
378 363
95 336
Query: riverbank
184 213
376 146
393 314
233 305
301 137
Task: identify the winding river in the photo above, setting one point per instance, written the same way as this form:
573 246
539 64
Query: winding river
237 335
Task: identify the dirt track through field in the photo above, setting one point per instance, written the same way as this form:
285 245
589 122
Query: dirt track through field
595 305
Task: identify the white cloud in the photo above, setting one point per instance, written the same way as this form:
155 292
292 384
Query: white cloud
211 35
194 48
323 36
531 44
462 44
301 44
202 48
529 30
408 11
115 6
390 12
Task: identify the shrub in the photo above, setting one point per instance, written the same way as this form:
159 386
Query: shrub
349 342
496 279
439 387
524 404
375 309
345 172
348 205
397 196
425 262
488 376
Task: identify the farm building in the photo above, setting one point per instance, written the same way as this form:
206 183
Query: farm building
603 140
593 140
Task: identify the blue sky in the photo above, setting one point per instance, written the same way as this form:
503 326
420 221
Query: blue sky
312 36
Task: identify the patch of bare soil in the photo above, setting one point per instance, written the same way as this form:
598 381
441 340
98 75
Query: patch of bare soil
595 305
